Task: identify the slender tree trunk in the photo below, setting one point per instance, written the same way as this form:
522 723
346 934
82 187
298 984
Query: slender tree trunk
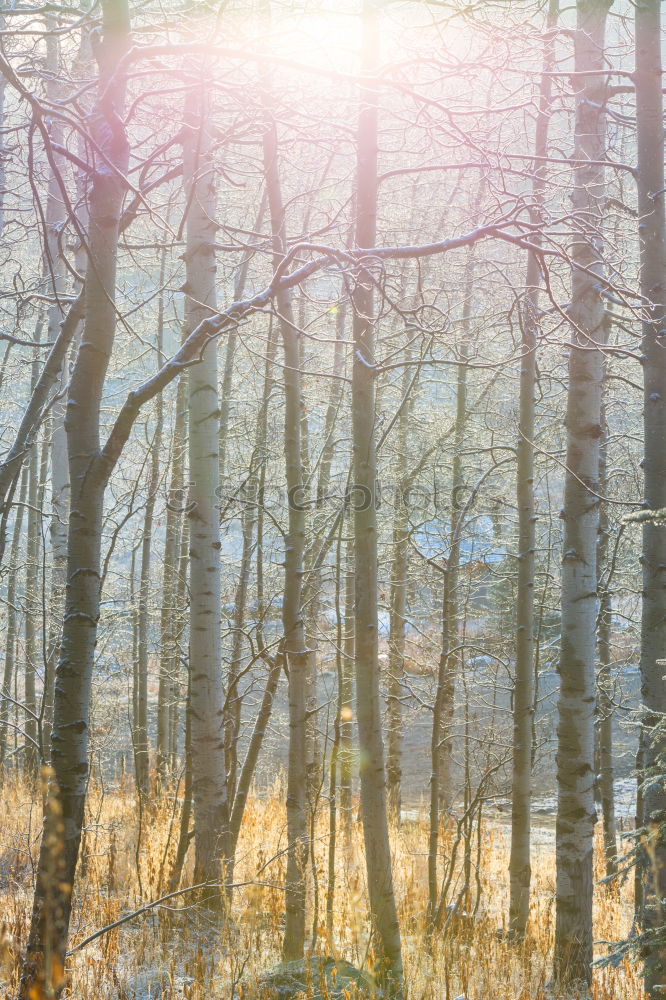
638 825
444 708
275 664
652 232
230 352
346 699
252 756
520 871
184 834
604 727
334 773
396 662
171 607
397 610
333 406
295 651
11 625
32 603
372 773
181 604
575 731
209 780
141 744
33 414
444 696
232 711
45 959
310 602
60 490
441 740
249 521
133 615
312 590
32 597
332 821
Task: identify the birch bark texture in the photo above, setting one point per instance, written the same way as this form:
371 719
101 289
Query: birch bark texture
209 778
61 836
171 624
579 603
520 871
605 707
652 245
60 491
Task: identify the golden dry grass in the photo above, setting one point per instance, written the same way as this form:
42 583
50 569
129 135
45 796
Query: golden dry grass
203 957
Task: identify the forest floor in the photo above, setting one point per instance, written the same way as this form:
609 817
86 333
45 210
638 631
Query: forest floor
186 951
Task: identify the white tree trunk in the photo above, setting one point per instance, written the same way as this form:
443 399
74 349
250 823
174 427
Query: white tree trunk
575 733
520 871
652 232
209 782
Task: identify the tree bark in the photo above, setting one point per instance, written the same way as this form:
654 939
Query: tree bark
397 611
605 711
60 488
295 651
184 834
32 602
59 850
441 739
575 732
232 709
141 745
275 664
209 780
11 624
314 563
520 871
249 522
652 240
170 625
372 773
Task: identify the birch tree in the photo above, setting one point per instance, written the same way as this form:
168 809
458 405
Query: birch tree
575 732
295 651
652 247
61 837
372 773
523 693
209 779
